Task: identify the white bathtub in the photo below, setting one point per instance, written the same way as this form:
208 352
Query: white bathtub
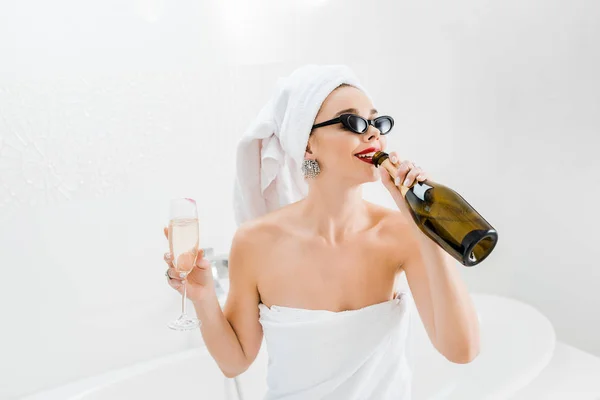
517 343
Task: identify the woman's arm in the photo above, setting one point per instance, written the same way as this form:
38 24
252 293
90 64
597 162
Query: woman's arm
233 335
441 298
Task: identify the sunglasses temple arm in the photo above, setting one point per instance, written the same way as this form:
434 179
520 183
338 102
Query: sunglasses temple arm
335 121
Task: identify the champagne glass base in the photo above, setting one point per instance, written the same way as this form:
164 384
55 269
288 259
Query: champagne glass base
184 323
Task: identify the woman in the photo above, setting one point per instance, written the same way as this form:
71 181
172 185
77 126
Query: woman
321 271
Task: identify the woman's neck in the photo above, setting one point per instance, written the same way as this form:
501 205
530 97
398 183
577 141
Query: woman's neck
334 209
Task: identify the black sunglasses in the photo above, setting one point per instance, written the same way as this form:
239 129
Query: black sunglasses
358 124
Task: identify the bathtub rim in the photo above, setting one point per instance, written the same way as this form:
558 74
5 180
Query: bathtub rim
78 389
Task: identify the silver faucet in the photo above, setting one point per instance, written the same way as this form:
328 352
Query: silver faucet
220 272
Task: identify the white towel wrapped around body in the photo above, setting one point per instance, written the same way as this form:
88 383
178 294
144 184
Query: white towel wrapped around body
270 152
348 355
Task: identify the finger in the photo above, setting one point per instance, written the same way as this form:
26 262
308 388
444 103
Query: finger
203 263
411 176
402 172
169 259
200 258
174 275
394 159
177 285
166 232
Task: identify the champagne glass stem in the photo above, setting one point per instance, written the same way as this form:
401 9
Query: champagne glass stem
183 297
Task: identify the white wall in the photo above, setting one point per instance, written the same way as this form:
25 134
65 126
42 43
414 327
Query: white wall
107 110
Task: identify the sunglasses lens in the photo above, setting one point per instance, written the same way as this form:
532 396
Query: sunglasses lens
384 125
357 124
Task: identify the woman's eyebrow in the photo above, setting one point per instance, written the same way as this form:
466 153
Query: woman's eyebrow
353 111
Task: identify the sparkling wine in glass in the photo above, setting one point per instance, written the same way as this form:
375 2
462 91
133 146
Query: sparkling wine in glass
184 237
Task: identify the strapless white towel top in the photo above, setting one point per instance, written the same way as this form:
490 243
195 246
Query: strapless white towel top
348 355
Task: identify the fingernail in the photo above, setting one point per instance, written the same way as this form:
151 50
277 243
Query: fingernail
397 181
168 256
394 159
406 182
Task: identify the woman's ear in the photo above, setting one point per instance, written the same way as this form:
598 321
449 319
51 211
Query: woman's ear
308 149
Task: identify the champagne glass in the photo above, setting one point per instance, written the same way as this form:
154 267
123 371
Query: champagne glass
183 245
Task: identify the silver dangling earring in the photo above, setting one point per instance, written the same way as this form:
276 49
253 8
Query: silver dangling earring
310 168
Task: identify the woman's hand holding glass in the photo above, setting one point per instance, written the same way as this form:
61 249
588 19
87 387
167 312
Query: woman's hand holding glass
199 280
187 269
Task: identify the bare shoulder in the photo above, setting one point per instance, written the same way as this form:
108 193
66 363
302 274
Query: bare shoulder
390 219
254 237
394 230
263 228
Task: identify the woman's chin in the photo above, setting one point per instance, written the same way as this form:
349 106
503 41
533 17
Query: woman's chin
373 177
366 172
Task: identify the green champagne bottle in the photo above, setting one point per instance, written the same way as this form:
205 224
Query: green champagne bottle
445 217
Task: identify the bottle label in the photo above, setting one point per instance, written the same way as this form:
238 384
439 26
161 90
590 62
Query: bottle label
419 190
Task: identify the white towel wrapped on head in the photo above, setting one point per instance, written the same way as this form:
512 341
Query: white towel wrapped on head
270 153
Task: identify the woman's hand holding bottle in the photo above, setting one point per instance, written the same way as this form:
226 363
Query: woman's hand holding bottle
405 173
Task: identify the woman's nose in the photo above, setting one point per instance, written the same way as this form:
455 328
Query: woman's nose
371 133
